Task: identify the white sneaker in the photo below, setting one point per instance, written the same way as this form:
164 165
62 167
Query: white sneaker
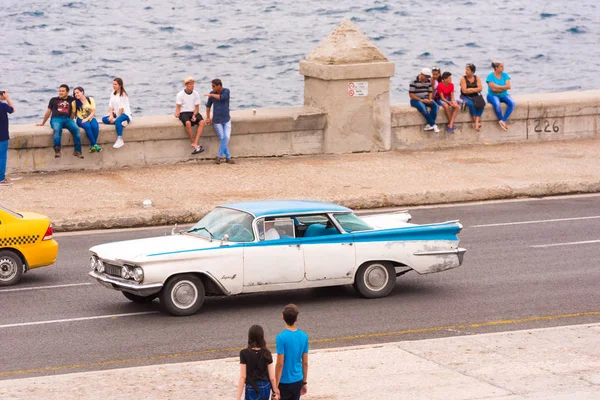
119 143
428 127
124 123
435 129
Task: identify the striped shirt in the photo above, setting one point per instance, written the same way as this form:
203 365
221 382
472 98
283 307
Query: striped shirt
420 89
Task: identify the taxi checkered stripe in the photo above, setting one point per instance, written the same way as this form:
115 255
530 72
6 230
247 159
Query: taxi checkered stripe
18 240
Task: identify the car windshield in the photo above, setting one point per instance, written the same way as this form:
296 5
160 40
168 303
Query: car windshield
225 221
14 214
352 223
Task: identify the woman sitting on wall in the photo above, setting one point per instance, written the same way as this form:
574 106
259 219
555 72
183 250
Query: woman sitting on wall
498 87
85 110
119 112
470 92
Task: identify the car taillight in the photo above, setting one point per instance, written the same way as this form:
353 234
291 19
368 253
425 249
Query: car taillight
48 234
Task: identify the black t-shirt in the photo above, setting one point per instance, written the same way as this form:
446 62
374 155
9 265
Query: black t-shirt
60 107
257 363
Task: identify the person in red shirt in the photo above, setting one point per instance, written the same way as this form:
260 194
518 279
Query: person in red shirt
447 101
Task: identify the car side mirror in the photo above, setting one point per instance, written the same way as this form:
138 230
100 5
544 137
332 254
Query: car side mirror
224 240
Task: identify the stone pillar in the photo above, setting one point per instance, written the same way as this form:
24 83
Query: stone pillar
347 77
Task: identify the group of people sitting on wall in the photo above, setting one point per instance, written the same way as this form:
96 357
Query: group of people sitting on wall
433 89
79 111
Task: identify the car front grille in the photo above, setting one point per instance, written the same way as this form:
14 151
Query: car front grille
112 269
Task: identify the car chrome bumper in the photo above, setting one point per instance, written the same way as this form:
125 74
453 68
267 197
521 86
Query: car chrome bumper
126 286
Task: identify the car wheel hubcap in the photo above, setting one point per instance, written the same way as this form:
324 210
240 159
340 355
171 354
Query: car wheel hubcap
8 269
376 277
184 295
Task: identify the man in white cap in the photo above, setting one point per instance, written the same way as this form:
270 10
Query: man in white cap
187 109
421 97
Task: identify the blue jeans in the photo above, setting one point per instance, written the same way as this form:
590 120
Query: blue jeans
91 129
475 112
495 102
264 394
422 107
3 157
224 133
118 122
58 123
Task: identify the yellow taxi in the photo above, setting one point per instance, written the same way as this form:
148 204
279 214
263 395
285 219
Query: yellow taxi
25 243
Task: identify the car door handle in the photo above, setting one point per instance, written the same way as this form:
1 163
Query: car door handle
297 246
347 244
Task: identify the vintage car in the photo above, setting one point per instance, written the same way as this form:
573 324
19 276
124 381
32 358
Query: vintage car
25 243
275 245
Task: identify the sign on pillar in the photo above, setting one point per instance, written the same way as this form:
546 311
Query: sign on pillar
358 89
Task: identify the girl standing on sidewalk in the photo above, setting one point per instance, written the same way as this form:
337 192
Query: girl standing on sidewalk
85 109
498 87
257 372
119 112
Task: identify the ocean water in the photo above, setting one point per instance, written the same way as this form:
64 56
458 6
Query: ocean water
254 46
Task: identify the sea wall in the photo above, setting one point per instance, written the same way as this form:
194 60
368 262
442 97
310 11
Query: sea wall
548 116
300 130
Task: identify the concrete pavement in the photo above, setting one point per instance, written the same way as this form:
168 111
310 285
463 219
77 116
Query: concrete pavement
550 363
79 200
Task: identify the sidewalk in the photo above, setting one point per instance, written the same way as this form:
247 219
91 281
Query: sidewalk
183 193
550 363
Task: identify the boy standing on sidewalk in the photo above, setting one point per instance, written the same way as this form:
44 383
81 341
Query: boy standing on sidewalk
5 109
291 372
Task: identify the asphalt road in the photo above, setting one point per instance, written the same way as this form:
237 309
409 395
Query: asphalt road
521 271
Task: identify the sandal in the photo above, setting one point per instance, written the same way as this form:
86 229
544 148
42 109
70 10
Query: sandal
503 125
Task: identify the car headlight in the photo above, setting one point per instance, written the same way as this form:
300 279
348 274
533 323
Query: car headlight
124 272
93 263
100 267
137 274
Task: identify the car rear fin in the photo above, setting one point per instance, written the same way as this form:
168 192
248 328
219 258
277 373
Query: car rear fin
49 233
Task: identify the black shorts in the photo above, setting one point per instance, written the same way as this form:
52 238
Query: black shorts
290 391
187 116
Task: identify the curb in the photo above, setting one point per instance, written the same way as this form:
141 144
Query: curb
155 217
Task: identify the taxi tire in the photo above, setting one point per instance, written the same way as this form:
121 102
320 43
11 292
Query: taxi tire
377 271
15 260
140 299
184 283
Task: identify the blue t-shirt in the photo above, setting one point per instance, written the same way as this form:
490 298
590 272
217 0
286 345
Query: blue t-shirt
5 109
502 81
221 107
292 344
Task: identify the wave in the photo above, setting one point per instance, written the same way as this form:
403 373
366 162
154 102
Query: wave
425 55
167 29
75 4
576 30
399 53
56 52
472 45
223 46
547 15
33 13
383 9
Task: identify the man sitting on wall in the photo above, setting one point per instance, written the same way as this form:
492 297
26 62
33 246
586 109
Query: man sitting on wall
187 109
421 97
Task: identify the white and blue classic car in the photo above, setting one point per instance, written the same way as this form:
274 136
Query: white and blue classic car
275 245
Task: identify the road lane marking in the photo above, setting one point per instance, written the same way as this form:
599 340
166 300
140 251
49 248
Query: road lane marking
46 287
326 340
58 321
541 221
541 246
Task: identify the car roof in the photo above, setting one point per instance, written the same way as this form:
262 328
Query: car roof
279 207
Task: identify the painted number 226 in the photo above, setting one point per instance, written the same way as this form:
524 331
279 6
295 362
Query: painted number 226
546 124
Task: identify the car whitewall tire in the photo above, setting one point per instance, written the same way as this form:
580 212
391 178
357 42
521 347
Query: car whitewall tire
375 279
182 295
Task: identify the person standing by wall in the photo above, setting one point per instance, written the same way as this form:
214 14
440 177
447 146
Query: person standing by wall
119 111
219 97
85 110
5 109
498 87
421 97
291 372
187 109
62 117
257 373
